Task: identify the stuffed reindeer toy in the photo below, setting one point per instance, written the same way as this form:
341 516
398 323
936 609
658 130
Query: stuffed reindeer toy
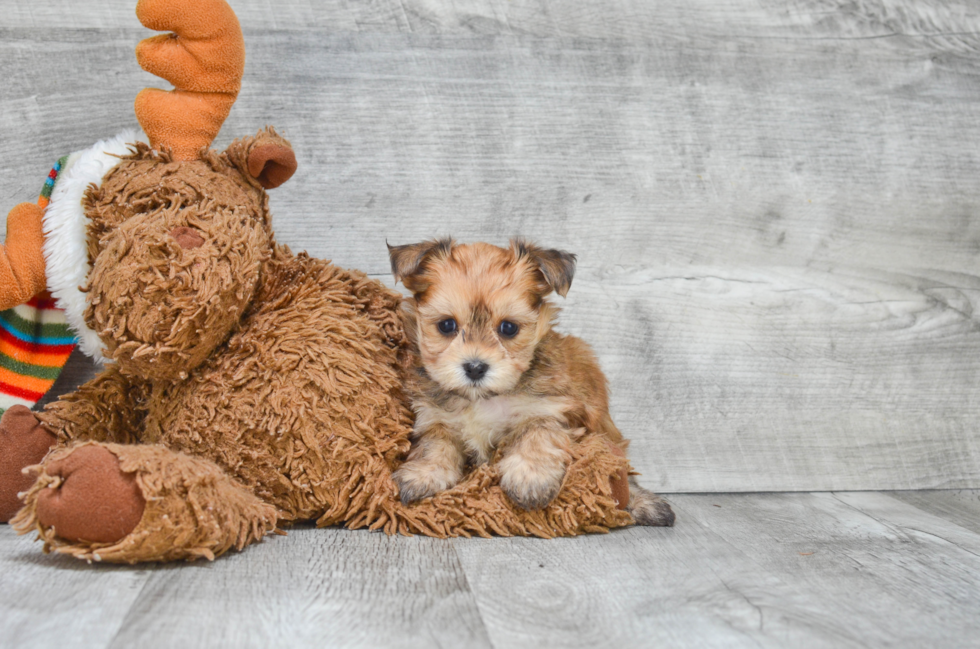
245 386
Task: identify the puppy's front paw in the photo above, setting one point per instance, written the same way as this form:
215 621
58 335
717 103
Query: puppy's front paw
530 486
418 480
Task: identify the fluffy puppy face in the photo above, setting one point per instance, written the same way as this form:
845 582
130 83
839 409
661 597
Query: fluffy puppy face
479 310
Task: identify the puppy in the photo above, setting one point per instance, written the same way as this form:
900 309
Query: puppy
490 372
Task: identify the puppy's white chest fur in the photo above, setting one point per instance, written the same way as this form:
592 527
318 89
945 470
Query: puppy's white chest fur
481 424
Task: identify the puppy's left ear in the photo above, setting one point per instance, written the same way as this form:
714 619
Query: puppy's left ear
557 266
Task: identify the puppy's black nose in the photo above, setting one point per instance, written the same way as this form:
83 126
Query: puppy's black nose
475 369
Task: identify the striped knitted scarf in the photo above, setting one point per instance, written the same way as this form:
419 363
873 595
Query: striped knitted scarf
35 341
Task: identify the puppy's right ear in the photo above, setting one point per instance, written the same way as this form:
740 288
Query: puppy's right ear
408 261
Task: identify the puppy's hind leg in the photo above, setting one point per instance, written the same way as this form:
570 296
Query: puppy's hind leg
647 508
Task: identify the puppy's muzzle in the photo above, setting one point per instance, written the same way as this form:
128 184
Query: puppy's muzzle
475 370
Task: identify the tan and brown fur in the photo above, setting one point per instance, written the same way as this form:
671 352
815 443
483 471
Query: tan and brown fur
483 387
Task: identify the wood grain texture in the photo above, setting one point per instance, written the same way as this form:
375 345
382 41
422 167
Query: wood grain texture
315 588
745 570
49 601
935 23
773 204
888 573
788 377
960 506
918 523
684 586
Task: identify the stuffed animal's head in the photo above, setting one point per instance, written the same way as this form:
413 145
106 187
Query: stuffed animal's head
175 234
176 249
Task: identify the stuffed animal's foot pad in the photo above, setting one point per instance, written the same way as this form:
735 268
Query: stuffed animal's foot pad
647 508
93 500
23 442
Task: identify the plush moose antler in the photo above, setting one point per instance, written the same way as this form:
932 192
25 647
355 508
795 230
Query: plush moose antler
204 57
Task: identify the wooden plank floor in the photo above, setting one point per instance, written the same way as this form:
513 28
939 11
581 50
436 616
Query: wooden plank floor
845 569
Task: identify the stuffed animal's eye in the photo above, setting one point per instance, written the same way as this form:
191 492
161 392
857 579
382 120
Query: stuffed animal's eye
447 326
508 329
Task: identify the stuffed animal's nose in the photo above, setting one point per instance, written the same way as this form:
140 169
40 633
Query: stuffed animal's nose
475 369
188 238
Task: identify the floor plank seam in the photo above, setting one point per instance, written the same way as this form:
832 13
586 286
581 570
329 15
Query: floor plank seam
472 592
903 529
132 605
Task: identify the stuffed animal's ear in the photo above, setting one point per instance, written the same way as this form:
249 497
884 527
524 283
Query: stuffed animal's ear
268 158
271 164
557 267
408 261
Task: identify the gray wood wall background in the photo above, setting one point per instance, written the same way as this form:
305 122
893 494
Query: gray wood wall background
774 203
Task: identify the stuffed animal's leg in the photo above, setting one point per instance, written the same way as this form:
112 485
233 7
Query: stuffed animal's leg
104 409
132 503
22 258
23 442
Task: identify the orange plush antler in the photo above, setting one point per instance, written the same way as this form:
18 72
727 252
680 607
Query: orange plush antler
204 58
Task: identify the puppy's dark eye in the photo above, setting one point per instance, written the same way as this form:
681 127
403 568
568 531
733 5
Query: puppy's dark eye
447 326
508 329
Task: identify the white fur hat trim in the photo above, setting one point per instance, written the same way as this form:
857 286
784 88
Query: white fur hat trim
65 232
